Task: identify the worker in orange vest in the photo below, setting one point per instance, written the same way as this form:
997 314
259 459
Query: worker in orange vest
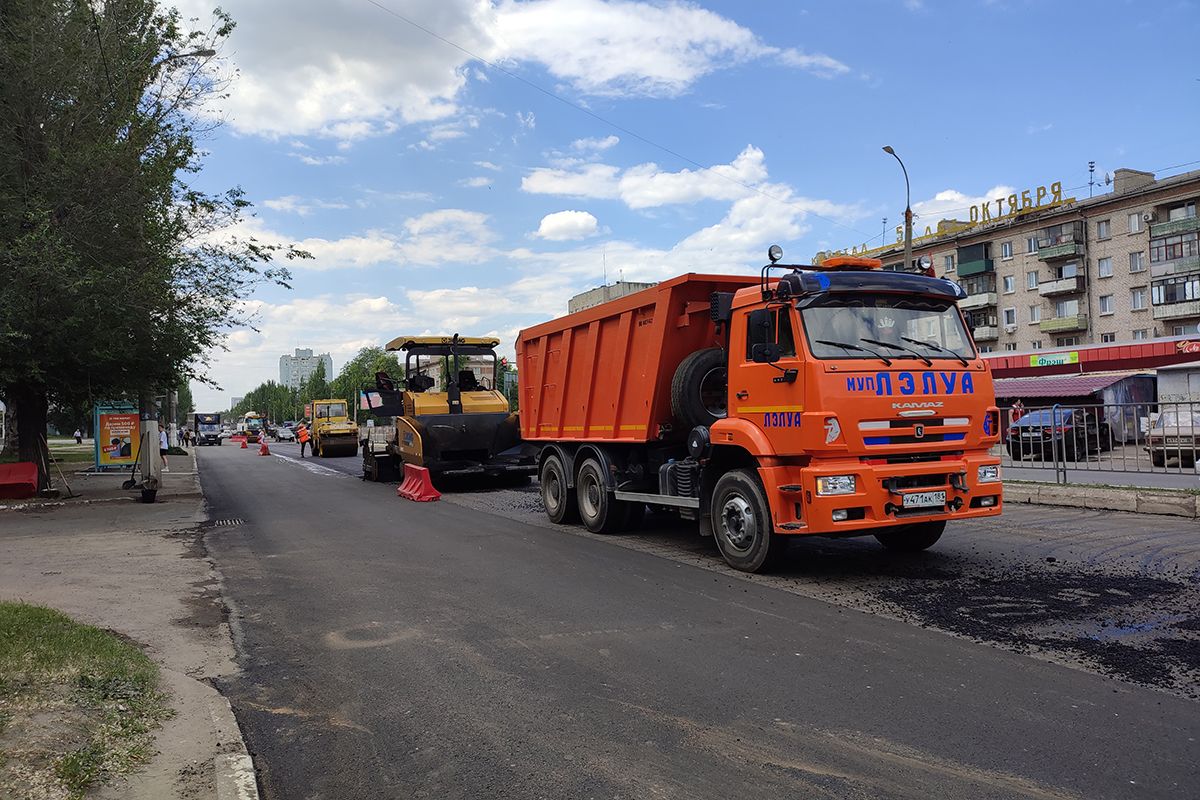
302 435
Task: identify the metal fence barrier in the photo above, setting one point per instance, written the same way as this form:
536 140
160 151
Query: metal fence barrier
1102 437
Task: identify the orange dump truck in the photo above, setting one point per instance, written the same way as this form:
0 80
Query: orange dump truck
838 400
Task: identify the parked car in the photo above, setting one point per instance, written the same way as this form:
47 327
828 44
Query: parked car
225 433
283 434
1175 434
1073 431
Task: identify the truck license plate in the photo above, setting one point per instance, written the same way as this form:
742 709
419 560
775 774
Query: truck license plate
924 499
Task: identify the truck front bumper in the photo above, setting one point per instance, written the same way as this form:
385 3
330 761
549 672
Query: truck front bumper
878 500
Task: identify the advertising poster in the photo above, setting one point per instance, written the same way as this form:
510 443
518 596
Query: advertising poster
116 439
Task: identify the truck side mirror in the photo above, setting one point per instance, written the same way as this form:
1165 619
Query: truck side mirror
767 353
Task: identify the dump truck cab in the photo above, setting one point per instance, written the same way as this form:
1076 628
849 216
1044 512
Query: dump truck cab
836 399
446 414
862 397
334 433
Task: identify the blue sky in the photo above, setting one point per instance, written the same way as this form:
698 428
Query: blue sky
440 194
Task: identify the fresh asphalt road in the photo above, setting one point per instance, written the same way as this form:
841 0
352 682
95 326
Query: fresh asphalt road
396 649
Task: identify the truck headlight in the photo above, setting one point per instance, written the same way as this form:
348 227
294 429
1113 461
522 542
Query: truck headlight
989 474
835 484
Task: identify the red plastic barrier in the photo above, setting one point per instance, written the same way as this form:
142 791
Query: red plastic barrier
18 481
244 444
262 450
417 485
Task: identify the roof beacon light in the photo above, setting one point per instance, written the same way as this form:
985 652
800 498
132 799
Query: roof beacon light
775 252
851 262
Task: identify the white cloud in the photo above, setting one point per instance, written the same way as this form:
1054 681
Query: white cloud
318 161
647 186
488 165
293 204
562 226
373 71
478 182
596 144
1033 128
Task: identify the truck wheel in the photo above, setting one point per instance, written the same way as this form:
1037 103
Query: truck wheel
913 538
598 509
557 497
741 521
149 495
1158 459
700 388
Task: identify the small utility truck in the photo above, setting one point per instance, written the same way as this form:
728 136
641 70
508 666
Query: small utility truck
838 399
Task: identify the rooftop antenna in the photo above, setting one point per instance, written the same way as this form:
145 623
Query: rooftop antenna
604 263
1091 176
884 240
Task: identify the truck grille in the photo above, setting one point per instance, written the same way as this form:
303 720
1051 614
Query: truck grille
904 431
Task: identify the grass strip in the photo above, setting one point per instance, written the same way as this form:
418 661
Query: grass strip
78 705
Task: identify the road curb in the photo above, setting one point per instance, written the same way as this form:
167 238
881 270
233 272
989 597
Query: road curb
1137 500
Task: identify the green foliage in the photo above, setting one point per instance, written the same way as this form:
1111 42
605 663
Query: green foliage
359 372
115 279
316 387
273 400
185 405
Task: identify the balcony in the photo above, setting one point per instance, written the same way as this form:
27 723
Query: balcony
1175 228
1188 308
1062 286
968 268
974 301
1051 252
989 333
1075 322
1178 266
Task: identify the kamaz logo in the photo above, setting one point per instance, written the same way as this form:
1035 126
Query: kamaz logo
913 383
926 404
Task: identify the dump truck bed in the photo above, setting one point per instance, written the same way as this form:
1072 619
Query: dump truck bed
604 374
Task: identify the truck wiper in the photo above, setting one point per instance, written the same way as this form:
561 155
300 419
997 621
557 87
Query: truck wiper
848 346
939 348
924 358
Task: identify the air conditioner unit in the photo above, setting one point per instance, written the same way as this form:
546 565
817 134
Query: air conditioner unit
1010 328
1148 216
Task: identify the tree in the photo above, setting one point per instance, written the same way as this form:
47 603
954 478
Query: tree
184 405
115 278
316 387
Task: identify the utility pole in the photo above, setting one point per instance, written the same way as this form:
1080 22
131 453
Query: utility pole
907 211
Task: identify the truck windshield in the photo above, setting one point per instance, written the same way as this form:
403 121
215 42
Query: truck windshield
932 328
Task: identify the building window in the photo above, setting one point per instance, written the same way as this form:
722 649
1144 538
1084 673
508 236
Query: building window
1010 284
1140 333
1031 244
1108 337
1035 313
1036 344
1186 211
1066 341
1178 289
1010 316
1137 298
1169 248
948 263
979 284
1106 304
1067 308
1006 250
1031 280
1070 270
1182 330
1136 261
1104 267
1135 222
1102 231
1010 346
985 348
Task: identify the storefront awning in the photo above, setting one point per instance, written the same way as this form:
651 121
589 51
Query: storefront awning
1057 385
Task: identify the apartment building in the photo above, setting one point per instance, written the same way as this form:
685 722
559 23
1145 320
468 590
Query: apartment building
294 370
1120 266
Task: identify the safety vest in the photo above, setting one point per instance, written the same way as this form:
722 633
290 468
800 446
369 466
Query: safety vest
302 433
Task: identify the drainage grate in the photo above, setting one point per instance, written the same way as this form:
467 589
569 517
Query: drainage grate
227 523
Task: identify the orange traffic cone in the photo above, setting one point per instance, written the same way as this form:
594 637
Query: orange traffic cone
263 450
243 443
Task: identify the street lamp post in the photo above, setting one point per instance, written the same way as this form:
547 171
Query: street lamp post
907 211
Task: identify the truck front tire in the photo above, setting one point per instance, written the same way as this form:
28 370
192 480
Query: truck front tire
913 538
557 497
741 521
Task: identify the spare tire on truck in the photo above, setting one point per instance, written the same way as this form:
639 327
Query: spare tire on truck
700 388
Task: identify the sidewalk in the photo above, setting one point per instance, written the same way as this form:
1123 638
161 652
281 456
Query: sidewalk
140 569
